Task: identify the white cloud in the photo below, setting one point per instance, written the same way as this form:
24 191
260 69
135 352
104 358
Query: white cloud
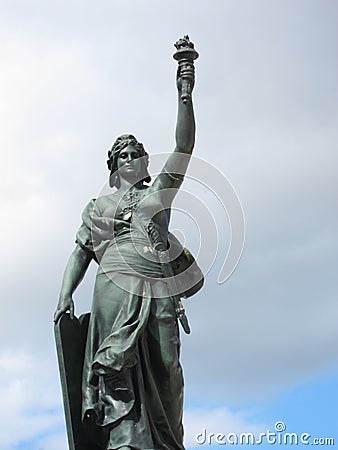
30 401
217 420
75 76
52 442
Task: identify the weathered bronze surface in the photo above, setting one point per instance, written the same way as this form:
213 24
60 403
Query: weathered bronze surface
120 372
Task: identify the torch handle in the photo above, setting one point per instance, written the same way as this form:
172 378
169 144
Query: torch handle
186 73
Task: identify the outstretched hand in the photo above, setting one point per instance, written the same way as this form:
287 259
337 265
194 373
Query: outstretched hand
185 78
65 304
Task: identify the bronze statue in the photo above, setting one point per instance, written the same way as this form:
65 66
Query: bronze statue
132 385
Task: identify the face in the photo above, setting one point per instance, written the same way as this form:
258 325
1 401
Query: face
129 163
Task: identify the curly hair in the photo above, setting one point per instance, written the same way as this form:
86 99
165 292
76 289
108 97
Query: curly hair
122 142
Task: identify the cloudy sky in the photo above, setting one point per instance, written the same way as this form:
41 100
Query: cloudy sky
76 74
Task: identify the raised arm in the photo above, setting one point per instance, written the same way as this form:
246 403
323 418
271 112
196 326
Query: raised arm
185 125
176 165
75 270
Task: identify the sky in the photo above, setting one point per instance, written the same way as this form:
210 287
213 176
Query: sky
75 75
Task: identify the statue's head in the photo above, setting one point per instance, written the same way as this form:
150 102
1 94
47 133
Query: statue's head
121 143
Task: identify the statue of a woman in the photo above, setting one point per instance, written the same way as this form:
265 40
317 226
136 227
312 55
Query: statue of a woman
132 388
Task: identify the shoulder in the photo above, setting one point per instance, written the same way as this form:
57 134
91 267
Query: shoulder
89 208
99 204
106 204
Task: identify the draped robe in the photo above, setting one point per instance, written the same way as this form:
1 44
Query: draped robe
132 388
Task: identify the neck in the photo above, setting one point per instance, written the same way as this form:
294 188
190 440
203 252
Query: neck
126 185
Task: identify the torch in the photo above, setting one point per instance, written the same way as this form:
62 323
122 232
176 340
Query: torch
185 55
